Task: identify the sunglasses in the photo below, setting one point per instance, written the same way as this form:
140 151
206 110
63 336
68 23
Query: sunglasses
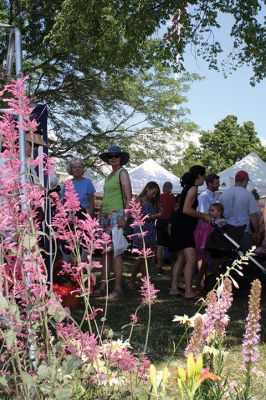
113 155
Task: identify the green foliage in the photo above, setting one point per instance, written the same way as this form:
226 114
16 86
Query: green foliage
103 67
227 143
200 21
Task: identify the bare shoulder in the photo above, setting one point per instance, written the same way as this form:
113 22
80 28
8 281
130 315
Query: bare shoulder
124 173
193 191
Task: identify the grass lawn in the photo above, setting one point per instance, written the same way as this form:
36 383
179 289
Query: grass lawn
164 333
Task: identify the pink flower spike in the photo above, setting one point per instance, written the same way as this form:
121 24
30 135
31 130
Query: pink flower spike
148 291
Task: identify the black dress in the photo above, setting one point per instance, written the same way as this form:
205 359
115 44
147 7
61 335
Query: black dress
183 225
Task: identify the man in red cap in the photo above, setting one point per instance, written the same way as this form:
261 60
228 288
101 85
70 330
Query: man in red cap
240 208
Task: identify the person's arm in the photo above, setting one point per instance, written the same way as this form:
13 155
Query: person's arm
188 210
91 204
127 192
255 225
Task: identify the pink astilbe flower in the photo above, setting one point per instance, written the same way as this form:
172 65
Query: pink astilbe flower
72 203
94 312
79 344
197 339
252 337
216 313
92 234
119 356
144 368
148 291
136 214
134 319
215 318
19 103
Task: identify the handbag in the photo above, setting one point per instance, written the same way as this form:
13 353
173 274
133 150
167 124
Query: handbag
120 243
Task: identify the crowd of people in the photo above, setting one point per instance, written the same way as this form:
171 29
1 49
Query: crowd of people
180 225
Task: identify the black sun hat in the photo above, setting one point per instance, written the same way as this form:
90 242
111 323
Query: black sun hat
124 156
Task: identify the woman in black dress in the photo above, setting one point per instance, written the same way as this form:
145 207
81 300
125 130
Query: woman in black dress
183 224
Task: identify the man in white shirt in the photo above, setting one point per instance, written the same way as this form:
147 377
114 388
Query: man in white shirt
207 198
240 208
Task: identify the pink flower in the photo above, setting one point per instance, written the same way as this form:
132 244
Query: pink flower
94 312
252 337
144 368
134 319
72 203
215 317
148 291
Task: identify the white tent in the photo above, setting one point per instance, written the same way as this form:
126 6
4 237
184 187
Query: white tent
254 166
144 173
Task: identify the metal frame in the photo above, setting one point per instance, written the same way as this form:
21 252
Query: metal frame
15 50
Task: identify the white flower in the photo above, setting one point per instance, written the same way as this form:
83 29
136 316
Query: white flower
182 319
185 320
210 350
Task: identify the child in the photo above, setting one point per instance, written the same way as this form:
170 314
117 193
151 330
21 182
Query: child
149 200
218 220
202 233
216 212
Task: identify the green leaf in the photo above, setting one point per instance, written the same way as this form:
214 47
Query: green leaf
60 315
3 381
63 393
43 371
72 363
3 302
29 241
28 379
45 388
10 338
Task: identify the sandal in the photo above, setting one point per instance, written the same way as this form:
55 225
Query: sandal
98 293
115 294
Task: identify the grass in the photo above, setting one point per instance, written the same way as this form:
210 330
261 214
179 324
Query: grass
164 334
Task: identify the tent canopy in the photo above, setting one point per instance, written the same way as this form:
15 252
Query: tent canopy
150 170
254 166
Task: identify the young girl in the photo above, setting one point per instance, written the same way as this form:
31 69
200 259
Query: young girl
149 200
216 213
202 233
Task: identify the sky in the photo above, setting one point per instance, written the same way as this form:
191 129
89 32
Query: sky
215 97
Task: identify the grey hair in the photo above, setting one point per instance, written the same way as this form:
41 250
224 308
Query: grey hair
72 162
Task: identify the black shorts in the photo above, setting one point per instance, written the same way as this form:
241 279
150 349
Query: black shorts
162 232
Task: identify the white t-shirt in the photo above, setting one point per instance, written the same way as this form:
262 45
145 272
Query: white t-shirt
206 199
238 204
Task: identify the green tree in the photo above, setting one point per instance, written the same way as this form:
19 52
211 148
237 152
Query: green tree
196 24
95 62
227 143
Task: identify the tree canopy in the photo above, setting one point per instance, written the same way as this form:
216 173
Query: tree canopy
105 68
227 143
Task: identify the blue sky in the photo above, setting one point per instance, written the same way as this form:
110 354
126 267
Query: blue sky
215 97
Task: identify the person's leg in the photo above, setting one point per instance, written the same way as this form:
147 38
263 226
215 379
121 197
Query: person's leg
106 265
176 272
202 267
118 272
136 269
190 259
159 259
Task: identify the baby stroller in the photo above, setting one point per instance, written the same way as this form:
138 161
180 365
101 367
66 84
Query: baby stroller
224 244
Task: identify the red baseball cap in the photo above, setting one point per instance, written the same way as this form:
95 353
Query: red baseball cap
241 175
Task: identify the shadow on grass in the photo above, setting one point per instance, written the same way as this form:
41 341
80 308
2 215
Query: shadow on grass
164 334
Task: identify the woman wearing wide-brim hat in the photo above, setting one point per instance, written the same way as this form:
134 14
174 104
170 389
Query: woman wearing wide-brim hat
117 195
